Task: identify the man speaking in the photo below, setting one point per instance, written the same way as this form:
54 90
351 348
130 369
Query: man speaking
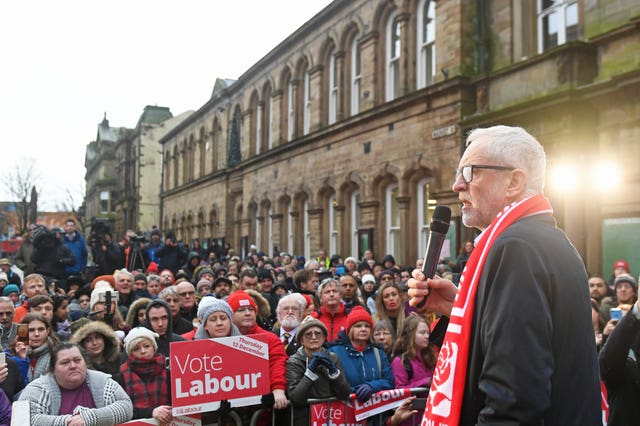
519 348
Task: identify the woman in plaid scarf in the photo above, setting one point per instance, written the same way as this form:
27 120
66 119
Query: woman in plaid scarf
145 378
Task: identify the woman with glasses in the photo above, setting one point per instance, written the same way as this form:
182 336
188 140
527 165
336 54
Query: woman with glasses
383 336
312 372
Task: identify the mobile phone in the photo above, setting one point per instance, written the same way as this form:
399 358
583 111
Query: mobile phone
616 313
23 333
340 270
3 358
419 404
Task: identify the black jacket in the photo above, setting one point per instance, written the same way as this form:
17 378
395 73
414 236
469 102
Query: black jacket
52 260
532 353
620 371
172 257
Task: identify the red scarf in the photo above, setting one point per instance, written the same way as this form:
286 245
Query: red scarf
146 381
447 388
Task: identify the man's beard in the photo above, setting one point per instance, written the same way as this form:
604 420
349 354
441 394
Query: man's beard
290 323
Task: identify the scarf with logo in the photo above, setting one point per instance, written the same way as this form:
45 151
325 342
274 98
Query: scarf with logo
447 388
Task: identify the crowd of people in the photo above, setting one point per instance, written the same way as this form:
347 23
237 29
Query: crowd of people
319 316
504 335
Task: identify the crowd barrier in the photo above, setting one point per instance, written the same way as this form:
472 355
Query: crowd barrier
325 414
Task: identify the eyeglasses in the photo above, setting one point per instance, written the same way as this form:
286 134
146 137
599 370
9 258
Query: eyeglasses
312 334
467 171
290 309
187 293
381 333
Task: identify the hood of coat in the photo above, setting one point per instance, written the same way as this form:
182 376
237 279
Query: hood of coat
132 313
155 304
264 310
111 341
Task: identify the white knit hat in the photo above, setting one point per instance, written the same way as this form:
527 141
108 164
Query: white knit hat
138 333
101 287
209 305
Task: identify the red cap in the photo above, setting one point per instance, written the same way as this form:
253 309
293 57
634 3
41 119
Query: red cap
358 313
108 278
241 298
621 264
152 268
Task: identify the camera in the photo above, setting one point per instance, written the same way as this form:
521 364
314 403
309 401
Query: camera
99 227
41 237
108 297
138 238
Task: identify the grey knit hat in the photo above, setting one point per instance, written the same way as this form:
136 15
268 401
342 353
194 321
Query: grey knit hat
306 324
209 305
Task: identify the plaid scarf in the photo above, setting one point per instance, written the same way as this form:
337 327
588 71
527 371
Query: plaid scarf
146 381
447 388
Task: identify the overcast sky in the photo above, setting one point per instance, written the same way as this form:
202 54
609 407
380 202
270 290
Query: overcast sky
65 63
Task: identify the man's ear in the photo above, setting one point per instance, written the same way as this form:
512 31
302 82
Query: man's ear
517 184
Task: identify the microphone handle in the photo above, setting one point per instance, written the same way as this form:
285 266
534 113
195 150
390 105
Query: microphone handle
431 258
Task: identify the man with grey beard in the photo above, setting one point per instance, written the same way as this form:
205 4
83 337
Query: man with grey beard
289 312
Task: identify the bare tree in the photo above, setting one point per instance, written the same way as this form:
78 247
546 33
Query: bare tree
73 203
22 183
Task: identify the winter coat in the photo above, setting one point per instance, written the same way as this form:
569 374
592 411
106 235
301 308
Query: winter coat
22 259
171 257
304 386
111 355
5 409
277 358
78 247
420 374
334 323
113 405
132 313
364 367
53 261
293 345
620 370
14 382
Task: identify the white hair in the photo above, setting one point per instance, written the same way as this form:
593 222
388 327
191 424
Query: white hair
515 147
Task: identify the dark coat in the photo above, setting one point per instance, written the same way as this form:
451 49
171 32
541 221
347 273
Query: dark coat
532 353
293 345
51 261
620 371
172 257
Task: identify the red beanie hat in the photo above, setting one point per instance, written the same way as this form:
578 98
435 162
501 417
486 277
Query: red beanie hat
358 313
621 264
108 278
152 268
240 298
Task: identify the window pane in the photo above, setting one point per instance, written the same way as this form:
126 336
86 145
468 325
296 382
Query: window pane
550 30
571 22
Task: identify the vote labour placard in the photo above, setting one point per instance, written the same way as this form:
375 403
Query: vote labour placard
205 372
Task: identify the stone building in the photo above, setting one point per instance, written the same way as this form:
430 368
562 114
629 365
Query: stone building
124 173
138 159
346 134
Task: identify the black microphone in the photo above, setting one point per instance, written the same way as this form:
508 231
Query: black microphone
437 233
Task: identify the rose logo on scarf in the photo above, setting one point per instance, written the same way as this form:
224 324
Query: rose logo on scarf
442 386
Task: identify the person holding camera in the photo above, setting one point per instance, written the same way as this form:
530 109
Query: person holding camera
50 255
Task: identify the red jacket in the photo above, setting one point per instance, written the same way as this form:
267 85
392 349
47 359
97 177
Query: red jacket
277 358
334 323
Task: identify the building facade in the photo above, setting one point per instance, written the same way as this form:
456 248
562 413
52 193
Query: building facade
348 133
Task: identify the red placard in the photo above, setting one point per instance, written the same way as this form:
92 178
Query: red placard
205 372
379 402
332 413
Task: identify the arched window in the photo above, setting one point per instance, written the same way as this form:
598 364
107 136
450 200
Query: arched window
356 76
426 37
258 233
289 229
269 118
355 222
424 213
259 127
306 119
269 249
392 218
333 232
291 112
333 89
306 230
392 56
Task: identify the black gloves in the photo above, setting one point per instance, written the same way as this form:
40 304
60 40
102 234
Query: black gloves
325 360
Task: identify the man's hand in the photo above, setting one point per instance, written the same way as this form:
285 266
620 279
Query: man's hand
280 399
441 293
402 413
